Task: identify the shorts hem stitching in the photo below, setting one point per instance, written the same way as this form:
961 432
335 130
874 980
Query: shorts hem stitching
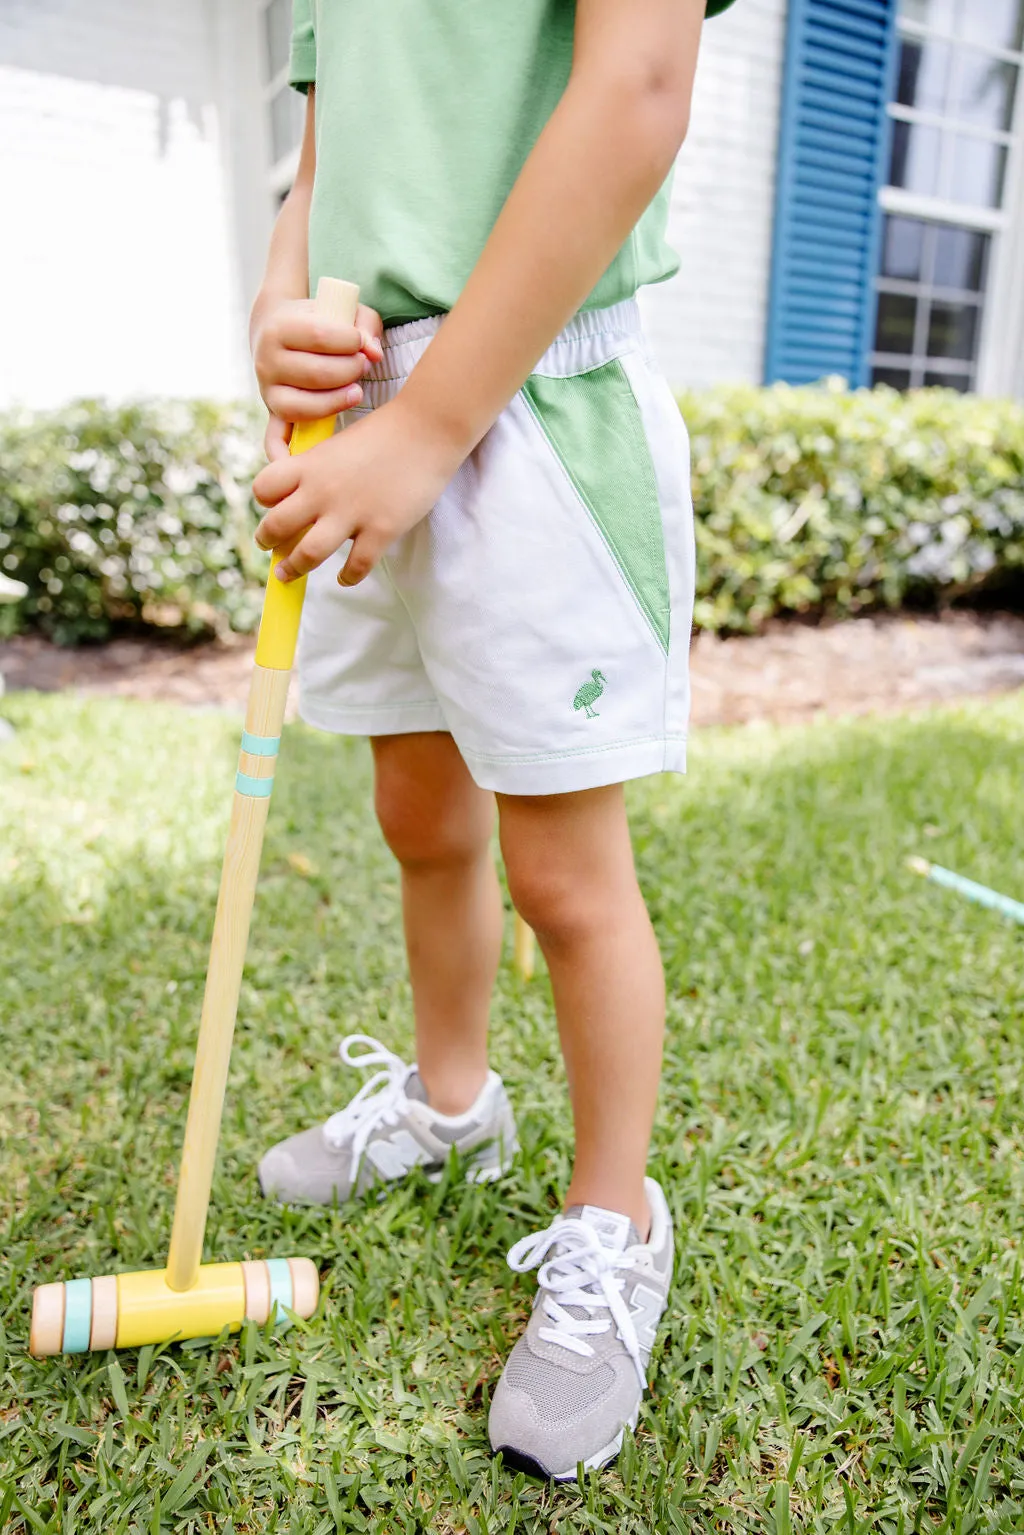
576 752
368 720
414 703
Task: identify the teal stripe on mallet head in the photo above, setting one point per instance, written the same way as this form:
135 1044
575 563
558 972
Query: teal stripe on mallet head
280 1276
1004 904
77 1315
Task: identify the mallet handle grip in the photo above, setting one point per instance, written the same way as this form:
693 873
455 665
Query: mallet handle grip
275 651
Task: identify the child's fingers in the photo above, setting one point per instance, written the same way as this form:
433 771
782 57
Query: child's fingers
275 438
317 370
310 404
285 525
372 327
307 330
311 550
275 481
361 559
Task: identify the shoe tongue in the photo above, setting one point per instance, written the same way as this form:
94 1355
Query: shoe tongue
616 1231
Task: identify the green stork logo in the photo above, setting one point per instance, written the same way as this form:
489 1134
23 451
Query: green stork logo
589 693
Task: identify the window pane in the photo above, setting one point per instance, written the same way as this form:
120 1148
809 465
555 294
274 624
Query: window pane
286 114
1000 23
979 167
959 258
924 74
915 158
896 378
984 93
961 382
903 248
894 328
277 20
932 13
952 330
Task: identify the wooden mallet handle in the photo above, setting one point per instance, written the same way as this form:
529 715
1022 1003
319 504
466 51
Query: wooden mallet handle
275 652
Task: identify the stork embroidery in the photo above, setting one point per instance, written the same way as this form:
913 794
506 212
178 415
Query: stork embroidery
589 693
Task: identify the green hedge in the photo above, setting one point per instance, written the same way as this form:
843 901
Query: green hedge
819 500
133 514
810 500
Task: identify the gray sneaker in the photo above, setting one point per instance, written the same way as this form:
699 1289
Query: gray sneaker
388 1129
574 1380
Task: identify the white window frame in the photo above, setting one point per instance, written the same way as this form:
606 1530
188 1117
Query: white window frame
999 343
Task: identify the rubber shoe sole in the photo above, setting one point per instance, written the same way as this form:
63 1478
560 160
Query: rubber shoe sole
599 1461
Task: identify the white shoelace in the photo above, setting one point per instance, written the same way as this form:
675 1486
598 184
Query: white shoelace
380 1101
570 1277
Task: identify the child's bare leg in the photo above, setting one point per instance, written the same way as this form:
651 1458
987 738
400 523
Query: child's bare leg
571 875
438 825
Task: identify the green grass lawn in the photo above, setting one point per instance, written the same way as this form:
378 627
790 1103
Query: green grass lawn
839 1138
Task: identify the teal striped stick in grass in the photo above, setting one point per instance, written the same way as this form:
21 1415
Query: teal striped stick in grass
974 892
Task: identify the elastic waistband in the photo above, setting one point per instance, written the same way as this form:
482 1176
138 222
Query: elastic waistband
591 337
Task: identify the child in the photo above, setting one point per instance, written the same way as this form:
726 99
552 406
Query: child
501 550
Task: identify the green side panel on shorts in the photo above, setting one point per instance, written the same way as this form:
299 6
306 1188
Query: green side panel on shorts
593 423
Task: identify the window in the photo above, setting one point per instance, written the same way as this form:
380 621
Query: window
931 288
956 93
285 106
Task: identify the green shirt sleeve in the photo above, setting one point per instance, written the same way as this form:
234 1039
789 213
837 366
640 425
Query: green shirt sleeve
716 7
302 62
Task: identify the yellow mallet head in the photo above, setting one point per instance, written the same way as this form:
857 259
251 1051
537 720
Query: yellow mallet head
128 1310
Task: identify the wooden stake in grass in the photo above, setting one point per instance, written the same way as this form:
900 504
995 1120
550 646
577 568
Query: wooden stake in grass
1004 904
525 948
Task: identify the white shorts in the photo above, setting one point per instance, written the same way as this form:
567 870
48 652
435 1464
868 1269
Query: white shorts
541 613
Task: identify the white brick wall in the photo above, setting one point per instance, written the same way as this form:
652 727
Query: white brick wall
124 275
133 142
708 322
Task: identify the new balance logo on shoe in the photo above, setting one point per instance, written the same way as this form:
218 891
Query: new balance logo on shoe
396 1156
645 1307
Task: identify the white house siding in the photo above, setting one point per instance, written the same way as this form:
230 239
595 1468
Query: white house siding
133 138
708 323
123 275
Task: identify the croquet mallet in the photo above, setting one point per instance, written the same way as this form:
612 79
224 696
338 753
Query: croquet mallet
188 1298
1005 904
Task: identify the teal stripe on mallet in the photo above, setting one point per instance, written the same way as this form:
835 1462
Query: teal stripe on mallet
1004 904
261 746
256 788
77 1315
280 1290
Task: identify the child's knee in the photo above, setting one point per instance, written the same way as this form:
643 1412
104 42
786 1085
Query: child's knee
424 830
549 898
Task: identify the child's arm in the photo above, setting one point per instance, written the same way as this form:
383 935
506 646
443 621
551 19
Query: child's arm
602 156
307 367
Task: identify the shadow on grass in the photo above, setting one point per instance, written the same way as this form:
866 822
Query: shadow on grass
843 1070
781 862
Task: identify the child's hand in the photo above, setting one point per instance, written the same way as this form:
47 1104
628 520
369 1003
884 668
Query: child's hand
371 483
309 367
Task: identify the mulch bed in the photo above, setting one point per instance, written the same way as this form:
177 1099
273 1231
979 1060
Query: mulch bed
791 672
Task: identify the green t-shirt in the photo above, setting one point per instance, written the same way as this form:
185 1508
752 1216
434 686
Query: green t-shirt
425 113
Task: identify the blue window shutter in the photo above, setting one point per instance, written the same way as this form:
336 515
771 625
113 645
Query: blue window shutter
833 147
